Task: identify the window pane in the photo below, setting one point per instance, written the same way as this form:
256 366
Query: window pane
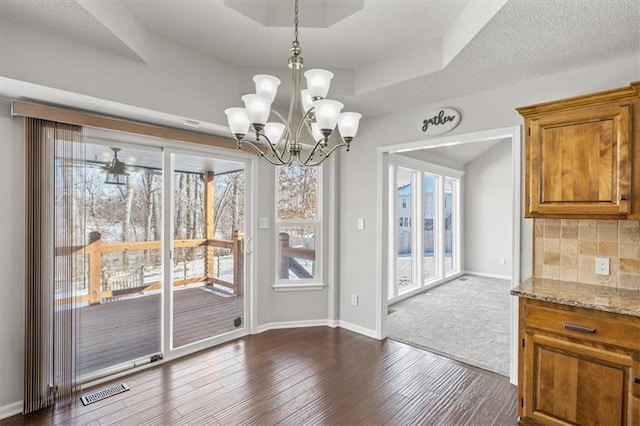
404 235
297 252
449 222
429 206
297 193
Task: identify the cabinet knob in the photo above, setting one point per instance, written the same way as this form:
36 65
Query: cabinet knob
636 380
579 328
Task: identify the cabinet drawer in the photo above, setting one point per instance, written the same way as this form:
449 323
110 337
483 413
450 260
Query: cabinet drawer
595 326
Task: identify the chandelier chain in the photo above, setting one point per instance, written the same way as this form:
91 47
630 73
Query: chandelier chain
295 31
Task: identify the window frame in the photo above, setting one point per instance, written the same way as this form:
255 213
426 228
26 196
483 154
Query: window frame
422 169
317 281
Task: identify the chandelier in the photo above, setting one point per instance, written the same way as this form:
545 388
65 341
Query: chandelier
283 140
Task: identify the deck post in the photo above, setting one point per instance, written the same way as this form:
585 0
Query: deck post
238 263
209 192
283 265
94 250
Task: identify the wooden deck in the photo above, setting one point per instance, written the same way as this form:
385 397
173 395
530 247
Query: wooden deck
124 330
316 375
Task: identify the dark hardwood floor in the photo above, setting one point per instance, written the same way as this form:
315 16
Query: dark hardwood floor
300 376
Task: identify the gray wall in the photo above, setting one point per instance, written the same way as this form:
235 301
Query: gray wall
11 255
176 81
488 211
482 111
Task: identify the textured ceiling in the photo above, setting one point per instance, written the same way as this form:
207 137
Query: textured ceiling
526 39
66 19
382 28
522 40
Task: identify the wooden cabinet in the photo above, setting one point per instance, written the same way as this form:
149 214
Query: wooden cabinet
582 156
577 366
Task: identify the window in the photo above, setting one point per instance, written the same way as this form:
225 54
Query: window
428 254
298 223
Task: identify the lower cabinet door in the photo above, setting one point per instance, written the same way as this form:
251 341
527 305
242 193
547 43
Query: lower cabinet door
570 383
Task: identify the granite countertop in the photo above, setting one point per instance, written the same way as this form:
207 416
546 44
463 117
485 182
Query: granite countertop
601 298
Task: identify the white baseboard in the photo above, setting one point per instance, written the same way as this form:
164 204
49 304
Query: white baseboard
482 274
10 410
291 324
358 329
317 323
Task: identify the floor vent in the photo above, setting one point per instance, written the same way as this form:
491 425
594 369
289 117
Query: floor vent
462 279
104 393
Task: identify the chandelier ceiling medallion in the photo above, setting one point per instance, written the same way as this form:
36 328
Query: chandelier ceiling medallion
282 141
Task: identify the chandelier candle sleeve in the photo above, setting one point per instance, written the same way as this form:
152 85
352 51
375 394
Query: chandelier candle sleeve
318 82
327 112
258 108
238 121
348 124
266 85
273 132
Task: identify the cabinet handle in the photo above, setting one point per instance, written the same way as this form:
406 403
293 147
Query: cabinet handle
579 328
637 380
624 197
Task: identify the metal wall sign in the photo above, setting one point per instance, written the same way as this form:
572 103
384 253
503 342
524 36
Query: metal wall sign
441 121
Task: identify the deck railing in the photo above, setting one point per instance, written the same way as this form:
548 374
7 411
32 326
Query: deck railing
98 288
288 258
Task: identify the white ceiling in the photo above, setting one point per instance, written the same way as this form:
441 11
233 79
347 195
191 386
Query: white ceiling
388 55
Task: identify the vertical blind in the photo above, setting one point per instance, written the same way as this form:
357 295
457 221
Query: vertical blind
54 241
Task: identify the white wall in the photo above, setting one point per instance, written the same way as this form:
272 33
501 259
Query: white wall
488 212
482 111
11 256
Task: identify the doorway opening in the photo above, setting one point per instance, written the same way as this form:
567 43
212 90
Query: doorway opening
488 167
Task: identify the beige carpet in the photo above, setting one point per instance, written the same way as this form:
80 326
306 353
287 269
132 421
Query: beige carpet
467 319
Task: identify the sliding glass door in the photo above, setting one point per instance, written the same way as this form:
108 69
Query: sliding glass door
118 305
207 290
424 218
163 263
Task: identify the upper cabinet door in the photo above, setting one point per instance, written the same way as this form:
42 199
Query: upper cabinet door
580 162
580 156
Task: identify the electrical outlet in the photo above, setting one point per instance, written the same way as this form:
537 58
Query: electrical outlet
602 266
354 299
360 224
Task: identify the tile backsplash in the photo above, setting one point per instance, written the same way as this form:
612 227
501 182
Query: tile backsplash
566 249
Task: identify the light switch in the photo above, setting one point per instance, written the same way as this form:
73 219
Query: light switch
360 224
264 223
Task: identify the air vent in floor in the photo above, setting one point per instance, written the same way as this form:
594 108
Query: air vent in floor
104 393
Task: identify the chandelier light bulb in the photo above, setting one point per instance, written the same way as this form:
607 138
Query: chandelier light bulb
238 121
307 101
327 112
318 82
348 124
315 131
273 132
266 85
258 108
